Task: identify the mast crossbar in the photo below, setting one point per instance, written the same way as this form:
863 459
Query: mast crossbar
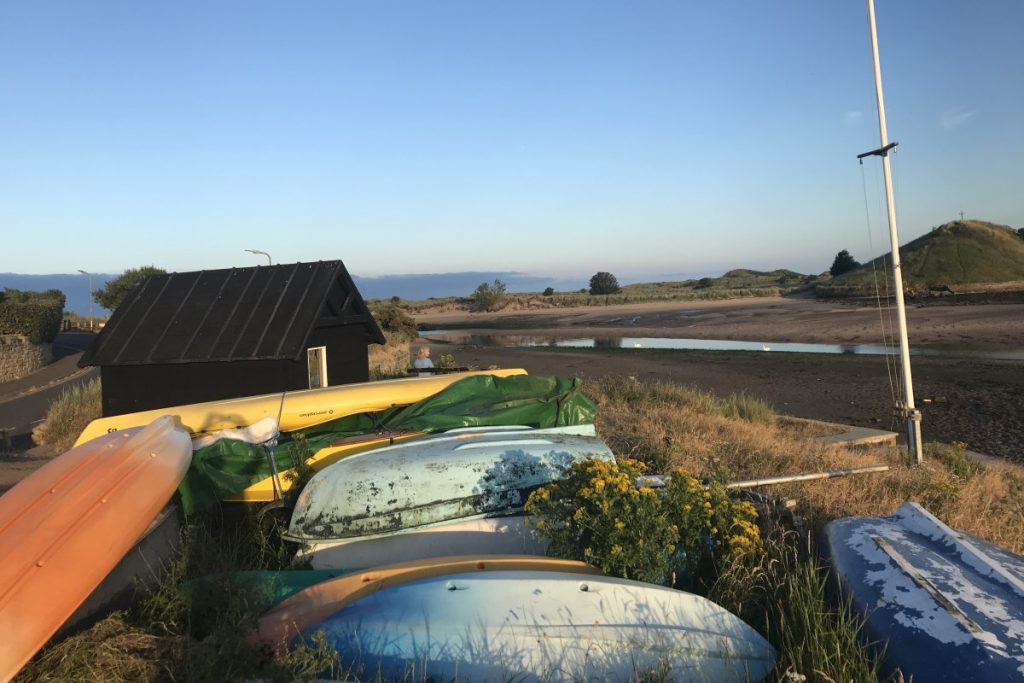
880 152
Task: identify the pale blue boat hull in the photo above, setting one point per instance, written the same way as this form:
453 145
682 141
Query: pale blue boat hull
948 606
543 626
456 475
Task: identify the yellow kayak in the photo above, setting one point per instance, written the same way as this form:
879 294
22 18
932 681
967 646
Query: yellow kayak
301 408
308 607
263 491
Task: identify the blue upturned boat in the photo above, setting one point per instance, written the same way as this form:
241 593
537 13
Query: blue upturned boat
947 605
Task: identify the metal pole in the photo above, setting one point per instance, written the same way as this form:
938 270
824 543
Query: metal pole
90 296
909 411
657 481
810 476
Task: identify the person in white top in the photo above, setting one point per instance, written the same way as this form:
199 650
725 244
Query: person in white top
423 361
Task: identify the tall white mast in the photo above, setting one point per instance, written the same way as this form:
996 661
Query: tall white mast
906 409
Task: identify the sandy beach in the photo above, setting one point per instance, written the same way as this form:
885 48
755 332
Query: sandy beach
976 401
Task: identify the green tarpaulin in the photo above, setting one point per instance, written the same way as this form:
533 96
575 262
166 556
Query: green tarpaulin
228 466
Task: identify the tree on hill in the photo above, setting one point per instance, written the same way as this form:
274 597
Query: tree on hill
604 283
1021 233
488 297
843 263
114 292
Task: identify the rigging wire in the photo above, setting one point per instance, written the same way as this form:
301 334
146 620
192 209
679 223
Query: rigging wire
874 279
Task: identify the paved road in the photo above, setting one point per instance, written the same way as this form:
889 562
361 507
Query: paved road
24 402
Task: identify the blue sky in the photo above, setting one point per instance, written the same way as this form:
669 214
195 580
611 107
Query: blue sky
652 139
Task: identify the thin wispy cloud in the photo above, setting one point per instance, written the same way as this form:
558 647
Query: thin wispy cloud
958 116
853 118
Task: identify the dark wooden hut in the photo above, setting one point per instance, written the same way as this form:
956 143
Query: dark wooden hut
214 334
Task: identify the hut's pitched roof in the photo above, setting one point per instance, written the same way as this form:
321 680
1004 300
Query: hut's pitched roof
257 313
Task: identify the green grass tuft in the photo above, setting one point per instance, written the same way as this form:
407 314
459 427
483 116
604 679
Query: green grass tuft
69 414
783 594
745 407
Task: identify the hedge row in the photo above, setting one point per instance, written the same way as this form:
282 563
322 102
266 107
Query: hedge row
36 315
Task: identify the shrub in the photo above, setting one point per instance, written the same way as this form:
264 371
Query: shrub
67 416
548 291
843 263
955 458
488 297
399 323
446 360
35 315
677 536
604 283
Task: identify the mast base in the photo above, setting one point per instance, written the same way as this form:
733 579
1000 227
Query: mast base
912 418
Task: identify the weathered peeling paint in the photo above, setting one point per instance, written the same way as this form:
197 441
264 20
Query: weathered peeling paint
436 479
951 605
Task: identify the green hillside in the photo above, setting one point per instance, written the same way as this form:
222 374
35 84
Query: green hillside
957 253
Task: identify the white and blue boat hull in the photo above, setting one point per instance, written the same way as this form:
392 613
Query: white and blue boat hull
543 626
457 475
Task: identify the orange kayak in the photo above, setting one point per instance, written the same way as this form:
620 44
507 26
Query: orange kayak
65 526
310 606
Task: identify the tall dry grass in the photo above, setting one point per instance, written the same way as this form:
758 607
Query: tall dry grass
391 359
782 592
672 426
68 415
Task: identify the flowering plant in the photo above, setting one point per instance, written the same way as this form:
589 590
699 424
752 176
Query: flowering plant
672 536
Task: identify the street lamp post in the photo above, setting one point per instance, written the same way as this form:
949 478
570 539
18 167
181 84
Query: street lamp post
257 251
90 295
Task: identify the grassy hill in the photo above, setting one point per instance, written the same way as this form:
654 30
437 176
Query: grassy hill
970 254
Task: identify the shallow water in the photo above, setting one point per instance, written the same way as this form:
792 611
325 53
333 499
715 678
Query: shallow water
541 340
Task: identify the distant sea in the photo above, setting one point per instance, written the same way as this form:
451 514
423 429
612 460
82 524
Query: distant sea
76 286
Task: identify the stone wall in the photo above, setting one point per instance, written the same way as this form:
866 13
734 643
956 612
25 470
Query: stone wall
18 357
